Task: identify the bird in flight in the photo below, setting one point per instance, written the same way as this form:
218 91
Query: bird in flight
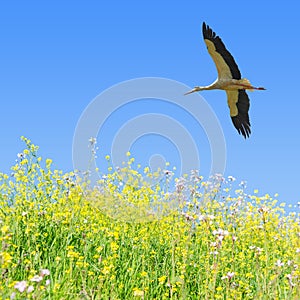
229 79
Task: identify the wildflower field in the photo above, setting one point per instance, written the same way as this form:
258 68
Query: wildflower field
141 235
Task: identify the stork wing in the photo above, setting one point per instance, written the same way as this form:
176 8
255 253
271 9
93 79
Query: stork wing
238 102
226 66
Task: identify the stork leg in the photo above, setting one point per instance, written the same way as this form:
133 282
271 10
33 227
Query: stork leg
250 87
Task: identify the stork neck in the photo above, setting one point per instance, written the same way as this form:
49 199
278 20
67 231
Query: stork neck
207 87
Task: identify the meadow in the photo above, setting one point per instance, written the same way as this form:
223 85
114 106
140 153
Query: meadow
142 235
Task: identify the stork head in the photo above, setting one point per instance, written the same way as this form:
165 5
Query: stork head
195 89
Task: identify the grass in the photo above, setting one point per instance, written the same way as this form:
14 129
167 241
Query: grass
134 237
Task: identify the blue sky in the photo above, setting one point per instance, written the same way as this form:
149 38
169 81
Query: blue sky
57 57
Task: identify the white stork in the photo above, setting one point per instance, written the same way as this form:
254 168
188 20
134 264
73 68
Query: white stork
229 79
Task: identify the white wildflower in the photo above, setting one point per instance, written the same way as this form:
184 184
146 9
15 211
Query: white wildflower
21 286
36 278
45 272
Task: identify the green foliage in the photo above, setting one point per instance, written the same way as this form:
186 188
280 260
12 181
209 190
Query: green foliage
133 237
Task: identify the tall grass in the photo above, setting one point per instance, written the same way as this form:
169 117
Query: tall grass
134 237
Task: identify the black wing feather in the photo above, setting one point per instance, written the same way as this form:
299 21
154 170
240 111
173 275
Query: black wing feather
241 122
220 48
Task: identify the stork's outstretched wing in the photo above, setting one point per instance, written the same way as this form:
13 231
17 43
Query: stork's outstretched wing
238 102
225 63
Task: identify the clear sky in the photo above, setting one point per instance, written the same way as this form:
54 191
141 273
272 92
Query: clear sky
56 57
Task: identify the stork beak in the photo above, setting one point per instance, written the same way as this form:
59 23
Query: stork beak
191 91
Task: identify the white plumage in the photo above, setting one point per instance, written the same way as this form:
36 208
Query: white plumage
229 79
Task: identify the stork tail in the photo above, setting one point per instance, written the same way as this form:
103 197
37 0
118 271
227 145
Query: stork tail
246 82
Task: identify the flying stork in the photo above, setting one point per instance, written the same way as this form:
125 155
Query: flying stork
229 79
